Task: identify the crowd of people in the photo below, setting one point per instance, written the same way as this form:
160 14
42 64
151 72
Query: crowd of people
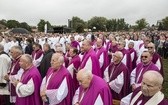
119 68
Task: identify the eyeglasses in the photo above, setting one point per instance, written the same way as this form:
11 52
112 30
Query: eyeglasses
150 47
144 56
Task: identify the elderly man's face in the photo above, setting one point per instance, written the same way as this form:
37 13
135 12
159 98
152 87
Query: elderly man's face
116 58
23 63
85 46
150 48
120 46
146 57
13 53
54 62
149 87
84 82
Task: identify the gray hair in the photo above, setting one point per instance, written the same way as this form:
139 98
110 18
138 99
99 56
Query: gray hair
18 49
60 57
28 58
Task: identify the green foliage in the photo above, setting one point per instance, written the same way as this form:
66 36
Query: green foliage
165 23
41 25
78 24
98 22
13 24
3 22
140 24
25 25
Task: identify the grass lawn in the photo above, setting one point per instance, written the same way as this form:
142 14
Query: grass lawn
165 85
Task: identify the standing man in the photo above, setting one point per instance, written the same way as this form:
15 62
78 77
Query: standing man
15 71
5 63
93 90
57 86
90 60
74 65
102 55
28 87
45 62
37 54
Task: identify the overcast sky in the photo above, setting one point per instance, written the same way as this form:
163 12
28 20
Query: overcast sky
57 12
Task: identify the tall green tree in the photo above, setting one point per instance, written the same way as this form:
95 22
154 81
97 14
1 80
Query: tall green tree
140 24
12 24
98 22
78 24
41 25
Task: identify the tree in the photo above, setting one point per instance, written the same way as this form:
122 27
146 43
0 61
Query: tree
78 24
12 24
25 25
3 22
165 23
111 25
41 25
140 24
98 22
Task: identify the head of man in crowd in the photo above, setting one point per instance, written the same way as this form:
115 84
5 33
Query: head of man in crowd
117 57
46 47
84 78
111 37
26 61
121 44
146 41
72 38
86 44
146 57
131 45
73 51
151 83
99 43
59 50
36 46
151 47
16 51
57 61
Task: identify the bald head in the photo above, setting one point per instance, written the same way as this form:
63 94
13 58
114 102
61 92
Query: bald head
154 76
86 45
84 77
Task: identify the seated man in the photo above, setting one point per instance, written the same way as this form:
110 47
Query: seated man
93 90
149 93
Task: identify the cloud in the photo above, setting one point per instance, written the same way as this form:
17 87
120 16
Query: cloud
58 12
